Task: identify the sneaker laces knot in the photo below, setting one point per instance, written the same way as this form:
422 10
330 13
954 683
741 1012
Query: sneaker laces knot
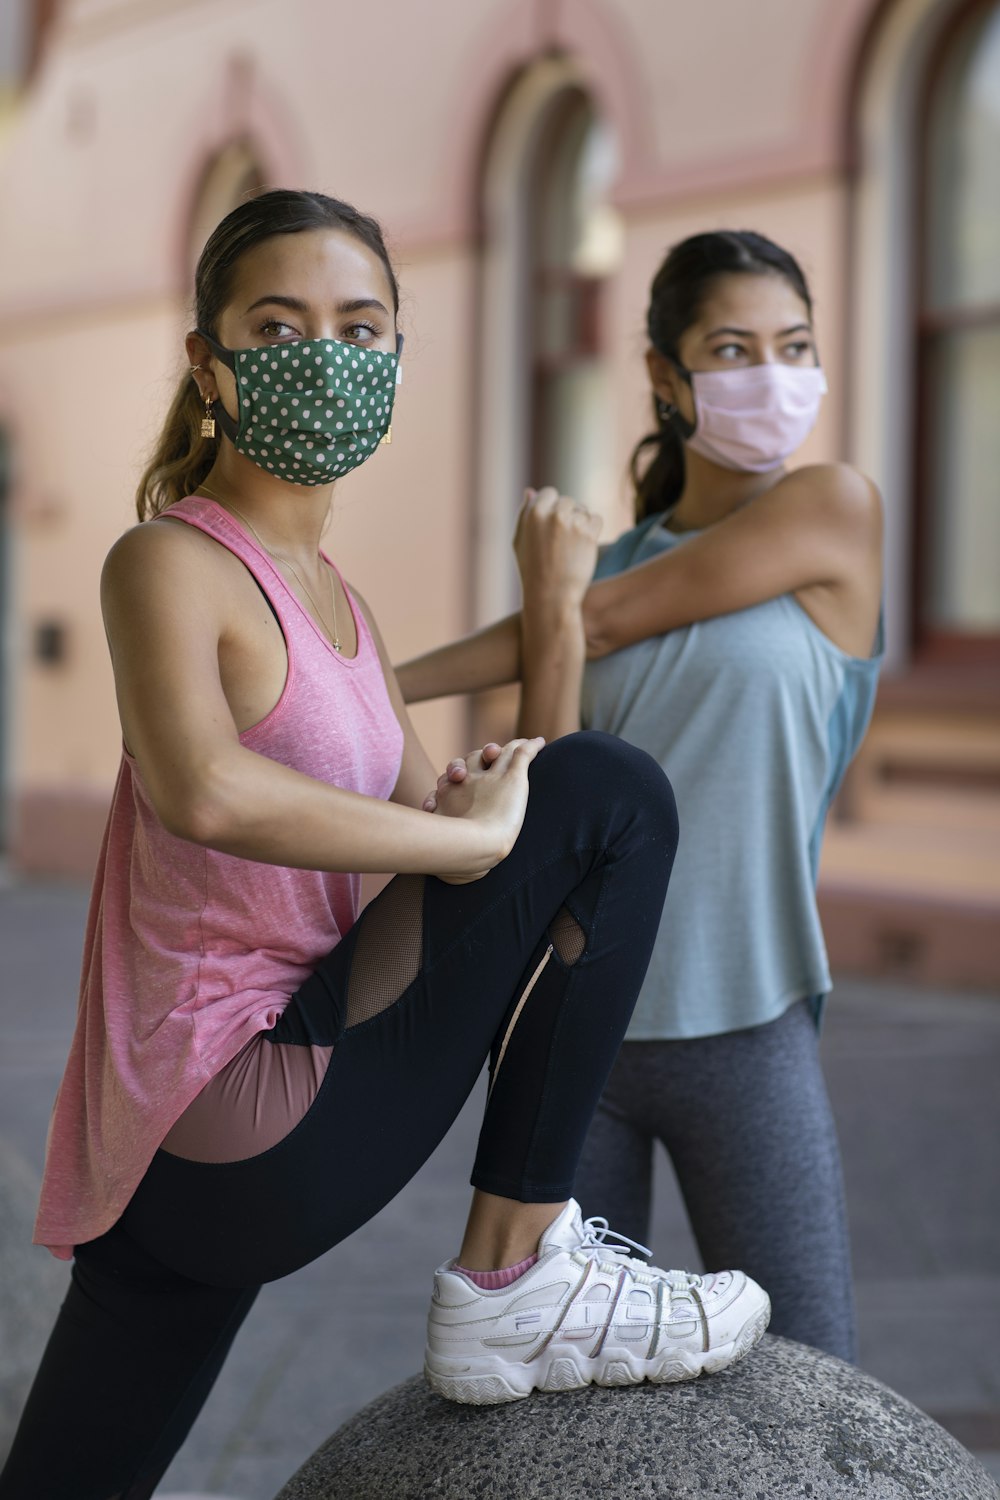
598 1235
600 1238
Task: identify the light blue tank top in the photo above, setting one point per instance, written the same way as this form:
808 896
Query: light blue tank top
754 716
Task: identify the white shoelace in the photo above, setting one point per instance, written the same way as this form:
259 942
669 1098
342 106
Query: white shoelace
599 1237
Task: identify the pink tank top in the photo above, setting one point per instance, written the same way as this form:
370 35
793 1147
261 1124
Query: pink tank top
190 952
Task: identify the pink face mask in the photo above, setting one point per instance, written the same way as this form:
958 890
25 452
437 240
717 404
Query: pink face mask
754 418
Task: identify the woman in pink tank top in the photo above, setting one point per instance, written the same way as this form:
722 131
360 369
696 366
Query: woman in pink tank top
257 1067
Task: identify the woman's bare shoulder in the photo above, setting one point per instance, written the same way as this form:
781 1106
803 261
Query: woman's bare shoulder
837 494
837 483
163 560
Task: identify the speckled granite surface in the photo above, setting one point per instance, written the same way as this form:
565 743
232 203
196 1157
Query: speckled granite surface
785 1422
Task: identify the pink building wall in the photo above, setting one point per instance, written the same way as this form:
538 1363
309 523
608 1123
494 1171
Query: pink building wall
742 120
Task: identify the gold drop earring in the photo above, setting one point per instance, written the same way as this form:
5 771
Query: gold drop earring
207 421
387 436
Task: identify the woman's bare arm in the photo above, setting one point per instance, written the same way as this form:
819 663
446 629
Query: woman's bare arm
556 547
165 606
488 658
819 527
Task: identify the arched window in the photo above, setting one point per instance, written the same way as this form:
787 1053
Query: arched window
232 175
549 241
957 554
576 245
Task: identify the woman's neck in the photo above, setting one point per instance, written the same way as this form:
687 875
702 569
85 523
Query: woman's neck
289 519
711 493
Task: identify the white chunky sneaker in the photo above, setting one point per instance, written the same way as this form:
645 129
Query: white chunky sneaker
586 1312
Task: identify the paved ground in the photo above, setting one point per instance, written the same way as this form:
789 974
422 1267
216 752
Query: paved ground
914 1083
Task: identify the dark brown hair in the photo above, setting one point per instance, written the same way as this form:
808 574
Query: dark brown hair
182 457
679 290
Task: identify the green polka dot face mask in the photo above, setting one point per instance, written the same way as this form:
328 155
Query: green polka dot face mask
310 411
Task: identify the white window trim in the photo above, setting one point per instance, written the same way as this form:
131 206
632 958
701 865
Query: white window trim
882 389
503 406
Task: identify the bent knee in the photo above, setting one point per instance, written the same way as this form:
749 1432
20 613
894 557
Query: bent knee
592 767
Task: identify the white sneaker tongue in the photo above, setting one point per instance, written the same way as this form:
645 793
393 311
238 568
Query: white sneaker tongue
565 1232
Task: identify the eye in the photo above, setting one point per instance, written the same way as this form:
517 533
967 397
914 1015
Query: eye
799 349
273 328
729 351
360 333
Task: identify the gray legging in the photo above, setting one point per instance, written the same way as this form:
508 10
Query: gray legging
747 1123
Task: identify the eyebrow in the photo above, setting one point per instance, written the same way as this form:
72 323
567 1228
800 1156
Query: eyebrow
295 304
748 333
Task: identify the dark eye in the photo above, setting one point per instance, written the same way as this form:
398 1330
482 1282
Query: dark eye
274 329
799 349
360 333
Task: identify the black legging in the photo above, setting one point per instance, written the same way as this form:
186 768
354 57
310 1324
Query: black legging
155 1303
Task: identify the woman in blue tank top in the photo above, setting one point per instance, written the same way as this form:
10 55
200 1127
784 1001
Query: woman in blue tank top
734 633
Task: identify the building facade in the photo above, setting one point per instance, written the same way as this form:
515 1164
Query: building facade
531 160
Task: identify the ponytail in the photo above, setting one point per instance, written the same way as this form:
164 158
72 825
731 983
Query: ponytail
181 458
659 485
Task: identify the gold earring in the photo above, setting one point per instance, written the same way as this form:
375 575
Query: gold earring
208 421
387 439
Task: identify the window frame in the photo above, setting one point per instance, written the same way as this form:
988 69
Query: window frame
937 650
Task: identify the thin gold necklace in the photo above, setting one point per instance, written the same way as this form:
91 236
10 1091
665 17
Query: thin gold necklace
334 634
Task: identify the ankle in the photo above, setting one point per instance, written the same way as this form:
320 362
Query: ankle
504 1232
494 1281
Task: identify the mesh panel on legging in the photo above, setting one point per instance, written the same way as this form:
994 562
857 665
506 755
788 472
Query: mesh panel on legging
388 951
567 936
567 940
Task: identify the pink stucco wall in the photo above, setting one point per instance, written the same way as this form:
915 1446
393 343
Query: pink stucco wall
741 120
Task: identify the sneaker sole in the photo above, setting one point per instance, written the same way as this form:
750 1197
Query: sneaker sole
459 1381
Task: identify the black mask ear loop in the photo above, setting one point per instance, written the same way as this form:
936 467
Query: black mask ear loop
666 411
228 357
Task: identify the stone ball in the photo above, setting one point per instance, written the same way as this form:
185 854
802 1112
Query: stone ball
785 1422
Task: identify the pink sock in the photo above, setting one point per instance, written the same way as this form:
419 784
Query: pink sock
492 1281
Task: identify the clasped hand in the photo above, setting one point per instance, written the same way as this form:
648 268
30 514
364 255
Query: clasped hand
490 786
